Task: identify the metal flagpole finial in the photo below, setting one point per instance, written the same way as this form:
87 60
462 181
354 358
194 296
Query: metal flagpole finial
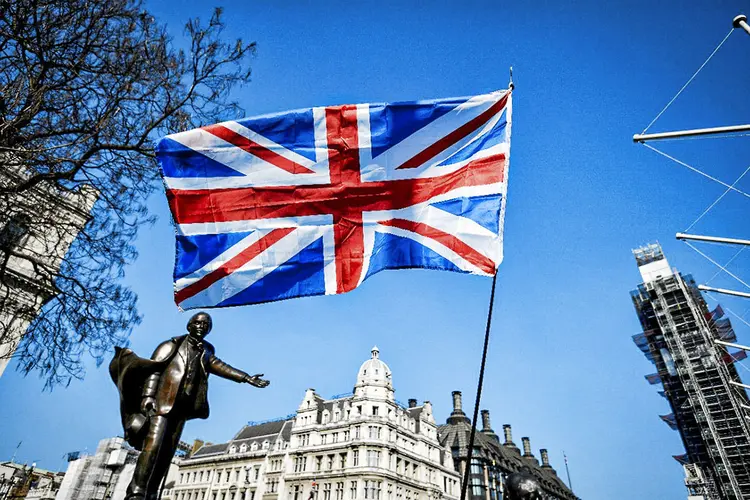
511 86
741 22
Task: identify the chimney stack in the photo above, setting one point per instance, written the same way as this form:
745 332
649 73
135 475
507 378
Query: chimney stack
545 460
457 415
509 438
457 402
486 427
527 450
412 403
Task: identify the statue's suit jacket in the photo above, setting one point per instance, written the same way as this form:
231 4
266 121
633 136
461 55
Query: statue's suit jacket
162 378
166 387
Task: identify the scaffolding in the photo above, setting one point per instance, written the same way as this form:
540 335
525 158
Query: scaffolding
698 376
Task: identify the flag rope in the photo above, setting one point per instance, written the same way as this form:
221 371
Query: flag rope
712 205
712 261
689 81
467 468
698 171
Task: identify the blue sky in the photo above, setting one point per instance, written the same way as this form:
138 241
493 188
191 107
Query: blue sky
562 368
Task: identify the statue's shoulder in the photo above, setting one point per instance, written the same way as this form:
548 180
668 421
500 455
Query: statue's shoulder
166 348
209 347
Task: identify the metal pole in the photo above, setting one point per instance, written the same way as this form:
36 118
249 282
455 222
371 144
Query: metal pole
713 239
741 22
744 386
472 434
730 344
724 291
691 133
567 471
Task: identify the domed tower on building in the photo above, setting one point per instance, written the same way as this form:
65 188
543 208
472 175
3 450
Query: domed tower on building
374 379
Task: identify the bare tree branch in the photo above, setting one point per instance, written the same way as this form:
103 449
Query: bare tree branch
86 87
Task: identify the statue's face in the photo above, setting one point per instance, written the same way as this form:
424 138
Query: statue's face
199 325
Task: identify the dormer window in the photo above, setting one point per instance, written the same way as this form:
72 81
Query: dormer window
265 444
243 448
233 449
254 446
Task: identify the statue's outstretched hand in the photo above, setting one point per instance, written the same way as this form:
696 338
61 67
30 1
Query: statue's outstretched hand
257 381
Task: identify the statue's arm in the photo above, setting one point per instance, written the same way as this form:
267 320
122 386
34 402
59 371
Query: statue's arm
152 382
224 370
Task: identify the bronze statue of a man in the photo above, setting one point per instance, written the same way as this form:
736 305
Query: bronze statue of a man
158 395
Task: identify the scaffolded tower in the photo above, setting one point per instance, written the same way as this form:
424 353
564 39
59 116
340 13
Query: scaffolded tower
699 378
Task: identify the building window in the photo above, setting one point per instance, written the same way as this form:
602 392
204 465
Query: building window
254 446
342 460
373 458
296 492
182 478
326 491
329 462
272 485
346 435
355 458
372 490
243 448
265 444
323 438
339 491
353 490
233 449
304 439
318 463
375 410
356 432
300 464
13 231
218 476
335 437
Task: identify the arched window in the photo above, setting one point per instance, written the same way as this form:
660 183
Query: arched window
233 449
254 446
265 444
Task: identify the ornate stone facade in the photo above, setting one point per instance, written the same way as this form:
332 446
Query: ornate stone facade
360 446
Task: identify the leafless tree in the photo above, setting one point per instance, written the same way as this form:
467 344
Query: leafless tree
86 87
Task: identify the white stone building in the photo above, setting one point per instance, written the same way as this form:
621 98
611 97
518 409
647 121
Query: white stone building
28 482
106 474
361 446
36 230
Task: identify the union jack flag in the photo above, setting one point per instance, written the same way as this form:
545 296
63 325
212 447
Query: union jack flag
314 201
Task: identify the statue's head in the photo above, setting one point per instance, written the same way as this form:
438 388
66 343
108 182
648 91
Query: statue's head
199 325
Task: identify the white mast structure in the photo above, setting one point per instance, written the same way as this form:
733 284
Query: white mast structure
739 22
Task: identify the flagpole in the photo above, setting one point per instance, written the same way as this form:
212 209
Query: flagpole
467 468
